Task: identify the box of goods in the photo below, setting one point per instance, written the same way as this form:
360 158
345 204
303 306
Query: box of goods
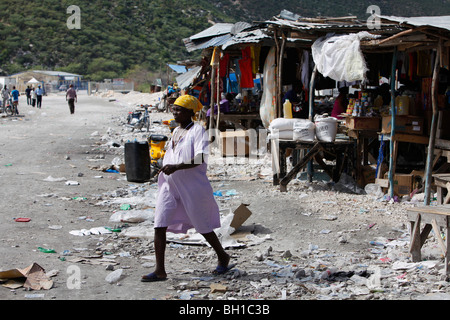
403 124
403 183
363 123
235 143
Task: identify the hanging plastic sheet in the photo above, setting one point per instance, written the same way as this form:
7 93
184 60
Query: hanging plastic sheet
339 56
267 109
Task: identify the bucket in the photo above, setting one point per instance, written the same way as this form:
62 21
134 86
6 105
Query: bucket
137 161
326 129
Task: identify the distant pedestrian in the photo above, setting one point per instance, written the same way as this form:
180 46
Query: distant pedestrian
39 94
5 95
71 97
15 99
33 97
28 93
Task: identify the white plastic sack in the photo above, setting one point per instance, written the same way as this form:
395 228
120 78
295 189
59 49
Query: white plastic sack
339 56
282 135
304 130
326 129
133 216
283 124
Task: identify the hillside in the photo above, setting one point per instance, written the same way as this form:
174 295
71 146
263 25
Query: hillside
121 36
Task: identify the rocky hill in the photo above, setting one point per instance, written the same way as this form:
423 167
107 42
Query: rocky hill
107 39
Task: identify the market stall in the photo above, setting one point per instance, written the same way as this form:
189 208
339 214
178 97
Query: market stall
406 58
302 63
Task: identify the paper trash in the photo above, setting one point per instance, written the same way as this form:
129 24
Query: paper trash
33 277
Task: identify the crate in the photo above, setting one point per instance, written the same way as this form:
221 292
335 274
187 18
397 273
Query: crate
403 124
363 123
235 143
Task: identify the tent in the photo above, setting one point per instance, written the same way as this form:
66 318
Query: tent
33 81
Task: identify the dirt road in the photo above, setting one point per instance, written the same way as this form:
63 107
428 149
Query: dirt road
297 235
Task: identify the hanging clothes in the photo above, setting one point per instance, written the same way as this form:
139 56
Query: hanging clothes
423 64
254 54
245 67
305 69
224 65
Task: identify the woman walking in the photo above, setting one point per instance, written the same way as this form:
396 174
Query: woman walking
185 196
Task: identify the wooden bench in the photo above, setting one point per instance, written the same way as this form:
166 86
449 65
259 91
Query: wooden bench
434 218
442 182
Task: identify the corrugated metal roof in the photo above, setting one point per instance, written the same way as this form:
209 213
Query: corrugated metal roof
253 36
215 30
177 68
304 25
218 35
51 73
185 80
213 42
442 22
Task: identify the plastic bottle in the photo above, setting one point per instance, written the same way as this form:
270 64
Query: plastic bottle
378 103
287 109
402 104
114 276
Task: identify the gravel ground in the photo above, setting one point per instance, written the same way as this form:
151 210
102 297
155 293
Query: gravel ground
318 241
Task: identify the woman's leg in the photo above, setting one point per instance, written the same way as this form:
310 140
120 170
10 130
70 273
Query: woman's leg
160 250
222 256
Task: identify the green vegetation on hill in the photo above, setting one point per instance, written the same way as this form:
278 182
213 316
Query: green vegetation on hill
114 36
119 37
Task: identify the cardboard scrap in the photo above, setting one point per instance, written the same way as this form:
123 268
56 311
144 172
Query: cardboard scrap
218 287
32 277
241 214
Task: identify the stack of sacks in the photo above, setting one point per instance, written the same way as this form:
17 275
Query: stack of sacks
292 129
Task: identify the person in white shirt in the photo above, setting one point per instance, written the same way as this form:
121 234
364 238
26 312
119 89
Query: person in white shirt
5 95
33 97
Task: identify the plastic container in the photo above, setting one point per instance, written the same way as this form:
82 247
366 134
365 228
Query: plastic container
402 104
137 161
287 109
326 129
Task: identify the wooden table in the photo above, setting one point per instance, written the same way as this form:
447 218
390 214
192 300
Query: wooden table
364 138
398 137
434 219
442 180
240 120
341 148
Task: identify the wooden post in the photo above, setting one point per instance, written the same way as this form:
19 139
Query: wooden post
277 84
280 74
311 93
393 113
311 115
429 167
218 91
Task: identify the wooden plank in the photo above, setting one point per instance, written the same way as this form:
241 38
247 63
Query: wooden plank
296 169
447 238
437 232
412 138
441 219
443 210
414 246
447 197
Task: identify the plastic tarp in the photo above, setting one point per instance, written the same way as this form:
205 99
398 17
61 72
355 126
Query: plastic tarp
339 56
267 109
